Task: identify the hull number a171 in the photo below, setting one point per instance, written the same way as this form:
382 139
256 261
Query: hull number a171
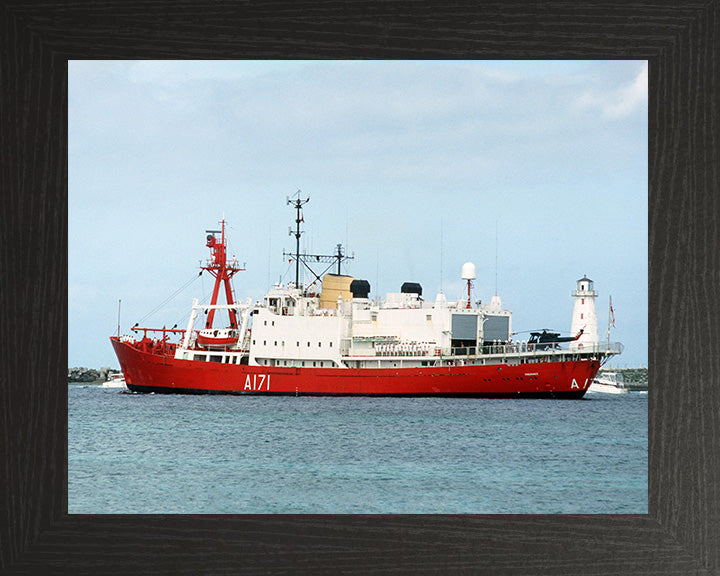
257 382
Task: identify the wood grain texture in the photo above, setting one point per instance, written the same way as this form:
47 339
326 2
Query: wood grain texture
680 535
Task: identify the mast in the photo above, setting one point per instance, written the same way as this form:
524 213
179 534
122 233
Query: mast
298 204
223 269
338 257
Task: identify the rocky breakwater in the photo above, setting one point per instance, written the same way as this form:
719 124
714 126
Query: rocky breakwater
635 378
84 375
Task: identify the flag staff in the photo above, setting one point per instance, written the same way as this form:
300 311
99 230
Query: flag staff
611 321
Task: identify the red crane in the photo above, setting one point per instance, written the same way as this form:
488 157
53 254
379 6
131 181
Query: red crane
223 269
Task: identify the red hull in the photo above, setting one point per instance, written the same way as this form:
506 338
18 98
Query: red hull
148 372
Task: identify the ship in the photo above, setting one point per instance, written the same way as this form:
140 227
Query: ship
328 337
609 383
115 381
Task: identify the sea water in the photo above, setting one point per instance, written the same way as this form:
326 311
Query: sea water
154 453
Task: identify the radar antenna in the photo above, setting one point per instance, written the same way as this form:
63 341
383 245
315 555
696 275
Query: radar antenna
338 258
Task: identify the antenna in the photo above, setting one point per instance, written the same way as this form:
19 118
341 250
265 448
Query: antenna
496 256
377 271
337 258
119 301
269 261
441 254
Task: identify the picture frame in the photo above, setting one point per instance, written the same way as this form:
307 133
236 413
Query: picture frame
680 534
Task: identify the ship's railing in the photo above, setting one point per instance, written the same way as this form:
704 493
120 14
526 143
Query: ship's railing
396 353
165 331
604 348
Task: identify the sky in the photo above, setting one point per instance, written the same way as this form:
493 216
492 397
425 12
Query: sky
535 171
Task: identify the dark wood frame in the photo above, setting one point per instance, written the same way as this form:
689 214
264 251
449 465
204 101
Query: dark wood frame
681 533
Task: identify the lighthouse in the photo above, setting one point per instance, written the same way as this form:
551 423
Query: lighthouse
584 317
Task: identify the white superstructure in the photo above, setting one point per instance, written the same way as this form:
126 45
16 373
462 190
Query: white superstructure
584 316
359 331
295 328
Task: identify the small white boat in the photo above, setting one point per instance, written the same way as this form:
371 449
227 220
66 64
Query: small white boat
115 381
609 383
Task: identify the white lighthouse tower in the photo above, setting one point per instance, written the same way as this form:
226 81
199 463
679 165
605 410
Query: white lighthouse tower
584 317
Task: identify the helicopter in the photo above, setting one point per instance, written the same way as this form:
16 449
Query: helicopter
547 339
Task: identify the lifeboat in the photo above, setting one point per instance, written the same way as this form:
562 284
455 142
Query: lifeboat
217 339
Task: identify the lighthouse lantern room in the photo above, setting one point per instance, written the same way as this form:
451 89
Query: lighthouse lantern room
584 316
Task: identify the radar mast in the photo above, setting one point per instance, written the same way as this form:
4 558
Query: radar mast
338 258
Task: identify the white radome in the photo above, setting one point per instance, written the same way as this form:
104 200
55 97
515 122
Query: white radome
468 271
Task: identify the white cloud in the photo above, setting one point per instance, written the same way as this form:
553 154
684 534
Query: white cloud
622 101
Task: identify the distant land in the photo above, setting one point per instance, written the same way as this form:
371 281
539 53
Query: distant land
635 378
82 375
